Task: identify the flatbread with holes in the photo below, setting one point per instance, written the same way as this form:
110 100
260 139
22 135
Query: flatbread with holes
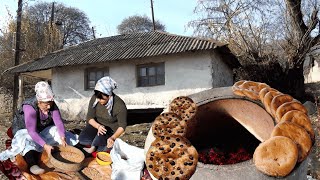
184 107
171 157
168 123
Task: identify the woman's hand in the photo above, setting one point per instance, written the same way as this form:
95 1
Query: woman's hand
110 142
101 130
47 148
63 142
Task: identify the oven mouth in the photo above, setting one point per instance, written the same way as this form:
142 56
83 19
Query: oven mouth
249 115
227 131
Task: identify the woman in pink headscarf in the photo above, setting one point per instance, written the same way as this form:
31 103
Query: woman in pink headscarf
106 118
35 115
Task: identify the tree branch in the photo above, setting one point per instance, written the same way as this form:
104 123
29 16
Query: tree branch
315 41
296 16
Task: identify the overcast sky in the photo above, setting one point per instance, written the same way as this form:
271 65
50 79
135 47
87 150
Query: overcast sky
105 15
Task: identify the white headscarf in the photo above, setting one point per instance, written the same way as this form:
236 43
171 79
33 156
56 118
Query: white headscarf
43 92
106 85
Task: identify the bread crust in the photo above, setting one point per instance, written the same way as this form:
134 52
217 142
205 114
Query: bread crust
297 134
264 91
288 106
184 107
301 119
277 101
268 99
276 156
294 129
236 88
250 89
171 157
168 123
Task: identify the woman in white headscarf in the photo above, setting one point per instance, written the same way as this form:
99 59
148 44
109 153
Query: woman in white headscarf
106 118
36 126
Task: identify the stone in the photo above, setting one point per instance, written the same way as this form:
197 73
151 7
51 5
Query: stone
311 107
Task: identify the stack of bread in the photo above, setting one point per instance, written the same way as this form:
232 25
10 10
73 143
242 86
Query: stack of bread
292 137
171 155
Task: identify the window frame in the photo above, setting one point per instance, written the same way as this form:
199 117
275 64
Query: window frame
95 70
156 66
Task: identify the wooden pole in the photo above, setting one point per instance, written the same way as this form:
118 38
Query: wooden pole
93 33
17 58
52 14
152 13
51 45
21 96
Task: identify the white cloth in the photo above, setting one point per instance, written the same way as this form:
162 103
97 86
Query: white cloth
23 143
127 161
106 85
43 92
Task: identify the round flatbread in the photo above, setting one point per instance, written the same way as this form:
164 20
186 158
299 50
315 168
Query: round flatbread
297 134
236 89
168 123
268 99
250 89
276 156
264 91
301 119
184 107
171 157
277 101
288 106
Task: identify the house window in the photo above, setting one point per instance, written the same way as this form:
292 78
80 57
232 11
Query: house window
92 75
150 74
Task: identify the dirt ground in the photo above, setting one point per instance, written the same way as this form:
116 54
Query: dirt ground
3 137
136 135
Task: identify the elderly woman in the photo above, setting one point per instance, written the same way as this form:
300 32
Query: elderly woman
36 126
106 118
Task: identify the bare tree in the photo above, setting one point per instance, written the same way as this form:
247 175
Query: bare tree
138 23
270 38
40 36
72 22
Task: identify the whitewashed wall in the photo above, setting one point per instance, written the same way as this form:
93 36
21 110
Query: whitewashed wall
222 74
314 74
184 74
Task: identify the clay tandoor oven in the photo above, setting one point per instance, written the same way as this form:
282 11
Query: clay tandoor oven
226 122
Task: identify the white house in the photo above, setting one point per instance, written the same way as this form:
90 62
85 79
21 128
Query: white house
312 66
150 68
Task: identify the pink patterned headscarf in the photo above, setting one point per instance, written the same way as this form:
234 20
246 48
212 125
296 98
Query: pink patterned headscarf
44 92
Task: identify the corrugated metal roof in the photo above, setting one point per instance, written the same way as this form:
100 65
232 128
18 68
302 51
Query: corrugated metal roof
122 47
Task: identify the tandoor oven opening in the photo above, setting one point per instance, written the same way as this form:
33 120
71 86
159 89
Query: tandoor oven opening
228 131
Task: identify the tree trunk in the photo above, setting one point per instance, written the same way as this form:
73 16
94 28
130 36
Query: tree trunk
293 83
